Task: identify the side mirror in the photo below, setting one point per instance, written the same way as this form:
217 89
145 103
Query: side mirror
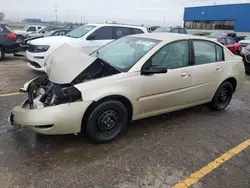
91 37
154 70
43 32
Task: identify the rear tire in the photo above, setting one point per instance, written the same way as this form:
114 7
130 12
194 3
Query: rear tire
107 121
223 96
2 54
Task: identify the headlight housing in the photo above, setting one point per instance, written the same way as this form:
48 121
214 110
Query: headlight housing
41 48
244 51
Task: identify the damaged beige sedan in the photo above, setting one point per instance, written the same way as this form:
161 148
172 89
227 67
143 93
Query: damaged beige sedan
131 78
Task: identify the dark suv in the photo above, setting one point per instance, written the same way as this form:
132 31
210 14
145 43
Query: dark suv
171 30
8 43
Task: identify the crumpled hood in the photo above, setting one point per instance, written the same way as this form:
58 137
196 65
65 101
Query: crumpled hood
66 63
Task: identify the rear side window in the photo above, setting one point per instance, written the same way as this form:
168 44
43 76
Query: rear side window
103 33
31 28
229 41
135 31
207 52
121 32
222 41
219 53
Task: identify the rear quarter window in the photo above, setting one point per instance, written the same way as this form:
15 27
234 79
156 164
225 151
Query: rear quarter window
135 31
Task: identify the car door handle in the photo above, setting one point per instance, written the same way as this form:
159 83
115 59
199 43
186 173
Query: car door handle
218 68
185 74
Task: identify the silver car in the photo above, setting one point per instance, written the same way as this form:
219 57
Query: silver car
131 78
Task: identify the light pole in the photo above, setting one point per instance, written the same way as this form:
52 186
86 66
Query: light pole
68 16
56 13
164 21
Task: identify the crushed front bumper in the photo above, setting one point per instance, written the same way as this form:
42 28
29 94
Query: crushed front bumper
59 119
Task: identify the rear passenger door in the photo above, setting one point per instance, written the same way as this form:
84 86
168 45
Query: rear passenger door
102 36
209 70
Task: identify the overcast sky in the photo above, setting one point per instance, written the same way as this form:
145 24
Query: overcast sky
127 11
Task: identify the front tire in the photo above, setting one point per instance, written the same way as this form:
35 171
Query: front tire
2 54
107 121
223 96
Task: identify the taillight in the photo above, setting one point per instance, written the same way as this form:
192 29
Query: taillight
11 36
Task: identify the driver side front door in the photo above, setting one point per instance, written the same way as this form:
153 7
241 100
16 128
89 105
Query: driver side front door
160 93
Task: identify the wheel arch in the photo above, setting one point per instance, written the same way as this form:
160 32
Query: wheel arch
124 100
231 80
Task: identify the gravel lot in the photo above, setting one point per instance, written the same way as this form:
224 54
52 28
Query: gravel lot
156 152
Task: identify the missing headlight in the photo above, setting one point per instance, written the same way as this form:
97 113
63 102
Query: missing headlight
60 94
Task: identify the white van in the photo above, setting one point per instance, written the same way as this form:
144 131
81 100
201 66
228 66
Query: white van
87 39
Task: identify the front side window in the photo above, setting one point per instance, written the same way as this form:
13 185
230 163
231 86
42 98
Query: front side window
171 56
80 31
103 33
207 52
121 32
125 52
182 31
175 31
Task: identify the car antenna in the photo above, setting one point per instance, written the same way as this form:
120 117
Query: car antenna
81 31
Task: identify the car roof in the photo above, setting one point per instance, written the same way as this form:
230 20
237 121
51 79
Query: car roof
118 25
169 36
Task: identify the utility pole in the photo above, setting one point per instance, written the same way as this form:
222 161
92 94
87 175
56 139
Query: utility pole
56 13
164 21
68 16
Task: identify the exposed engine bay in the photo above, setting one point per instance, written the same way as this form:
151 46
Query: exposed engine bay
42 92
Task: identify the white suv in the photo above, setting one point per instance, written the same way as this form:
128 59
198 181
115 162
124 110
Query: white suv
87 39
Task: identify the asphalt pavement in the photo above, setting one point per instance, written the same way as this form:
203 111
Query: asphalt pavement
156 152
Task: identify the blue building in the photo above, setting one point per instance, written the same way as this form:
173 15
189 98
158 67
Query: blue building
218 17
36 21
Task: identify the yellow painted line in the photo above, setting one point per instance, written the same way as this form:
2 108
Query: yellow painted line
10 94
195 177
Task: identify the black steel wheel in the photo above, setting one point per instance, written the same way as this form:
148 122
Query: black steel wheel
2 54
107 121
223 96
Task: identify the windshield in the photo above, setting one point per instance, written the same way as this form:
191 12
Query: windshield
217 34
123 53
162 30
48 33
80 31
26 27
